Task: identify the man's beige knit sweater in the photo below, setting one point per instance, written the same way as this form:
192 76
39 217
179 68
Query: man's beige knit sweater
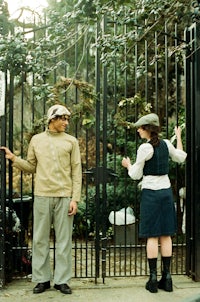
55 160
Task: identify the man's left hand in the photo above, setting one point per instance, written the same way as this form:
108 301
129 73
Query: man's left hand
72 208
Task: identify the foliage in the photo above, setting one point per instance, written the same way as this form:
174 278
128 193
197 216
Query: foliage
5 25
124 115
177 173
42 56
14 55
83 110
81 222
52 61
133 11
130 13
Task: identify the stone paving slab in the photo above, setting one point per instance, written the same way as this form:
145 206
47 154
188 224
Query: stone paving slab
113 290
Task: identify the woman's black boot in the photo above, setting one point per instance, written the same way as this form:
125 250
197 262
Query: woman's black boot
166 279
152 284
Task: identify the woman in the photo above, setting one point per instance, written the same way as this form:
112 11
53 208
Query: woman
157 212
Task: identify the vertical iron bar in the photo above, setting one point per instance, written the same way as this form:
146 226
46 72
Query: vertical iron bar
10 170
177 74
196 150
21 173
3 205
136 137
86 155
104 195
44 80
166 78
178 102
126 137
189 166
146 67
190 137
3 196
76 70
192 153
177 201
115 139
10 138
156 71
97 185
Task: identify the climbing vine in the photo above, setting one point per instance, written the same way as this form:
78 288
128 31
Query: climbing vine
127 107
84 108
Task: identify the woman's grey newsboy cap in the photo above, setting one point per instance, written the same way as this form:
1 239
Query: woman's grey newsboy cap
149 119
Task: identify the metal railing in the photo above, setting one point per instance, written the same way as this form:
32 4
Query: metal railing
149 70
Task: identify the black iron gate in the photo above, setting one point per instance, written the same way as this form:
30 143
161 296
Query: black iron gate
106 87
193 143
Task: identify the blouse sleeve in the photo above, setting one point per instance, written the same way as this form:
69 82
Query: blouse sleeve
176 155
144 153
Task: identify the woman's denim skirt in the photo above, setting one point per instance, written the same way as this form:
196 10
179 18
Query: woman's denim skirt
157 213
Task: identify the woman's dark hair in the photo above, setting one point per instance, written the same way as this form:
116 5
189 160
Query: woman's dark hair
154 134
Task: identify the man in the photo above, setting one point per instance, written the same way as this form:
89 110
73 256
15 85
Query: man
54 157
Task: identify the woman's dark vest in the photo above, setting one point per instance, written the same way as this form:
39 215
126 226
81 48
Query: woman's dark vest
159 163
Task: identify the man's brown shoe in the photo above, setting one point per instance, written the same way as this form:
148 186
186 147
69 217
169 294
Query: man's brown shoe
41 287
63 288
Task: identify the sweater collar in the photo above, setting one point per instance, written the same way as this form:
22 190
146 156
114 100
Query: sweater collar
53 133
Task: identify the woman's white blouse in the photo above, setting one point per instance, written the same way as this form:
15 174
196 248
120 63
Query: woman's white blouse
144 153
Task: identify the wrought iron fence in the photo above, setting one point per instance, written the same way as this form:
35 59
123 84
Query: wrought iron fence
106 87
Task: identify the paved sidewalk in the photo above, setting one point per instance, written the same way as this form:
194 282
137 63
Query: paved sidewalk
114 290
